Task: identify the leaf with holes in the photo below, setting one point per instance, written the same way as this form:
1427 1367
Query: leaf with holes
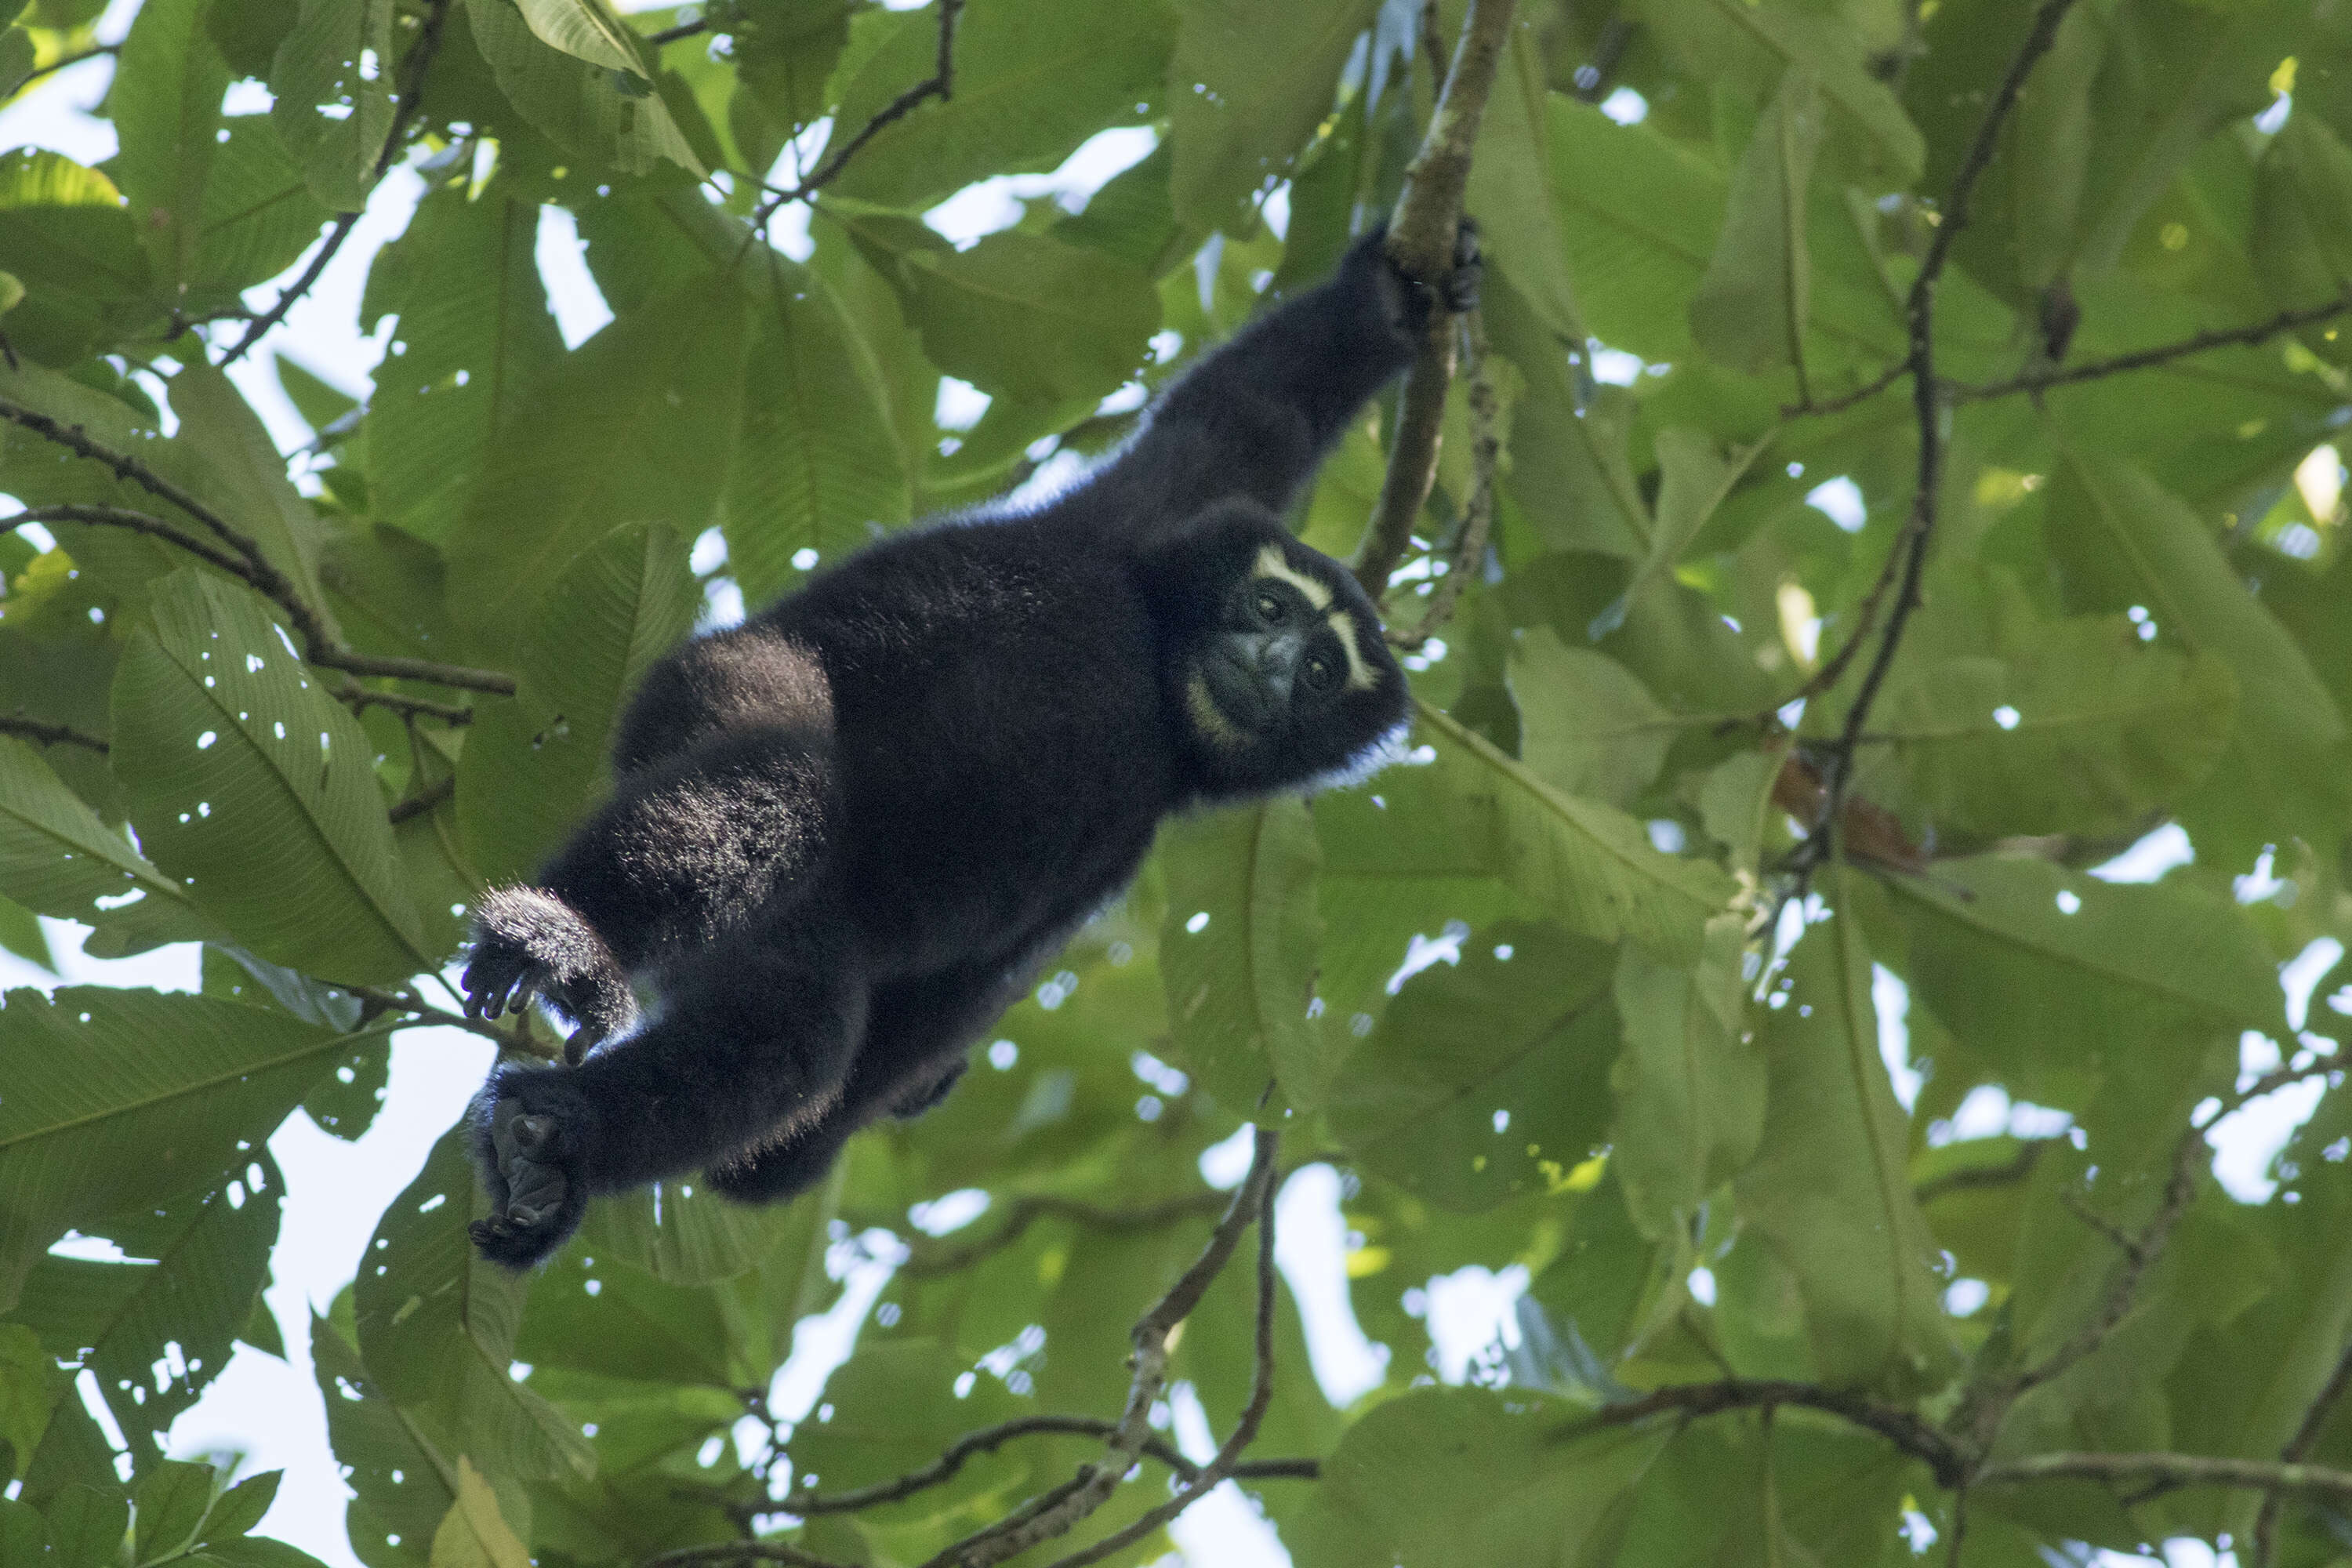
257 789
58 858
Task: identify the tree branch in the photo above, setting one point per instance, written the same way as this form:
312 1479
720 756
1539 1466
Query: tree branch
2306 1433
424 800
1229 1455
740 1551
1421 242
1058 1510
1478 512
682 30
1970 1177
516 1039
939 84
2169 1471
42 733
2142 358
1910 547
412 84
244 559
67 61
1900 1427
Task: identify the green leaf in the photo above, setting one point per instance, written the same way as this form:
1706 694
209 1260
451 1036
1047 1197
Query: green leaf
257 789
1239 953
58 858
2301 245
893 1407
2130 541
633 428
585 30
817 465
71 243
162 1322
1488 1078
332 76
2082 728
1247 85
402 1486
437 1327
2011 953
87 1528
24 1534
1749 310
784 51
29 1391
464 280
1020 313
1829 1189
241 1507
119 1099
349 1093
165 104
682 1232
228 455
169 1506
1587 864
258 216
1690 1084
1031 82
535 765
1459 1478
1511 185
1589 726
578 106
474 1534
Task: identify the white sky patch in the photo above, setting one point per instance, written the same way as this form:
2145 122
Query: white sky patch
1615 367
1891 999
1421 951
2301 974
1310 1247
1224 1163
1469 1310
1225 1528
2162 849
960 405
992 204
1840 500
1626 107
572 297
952 1212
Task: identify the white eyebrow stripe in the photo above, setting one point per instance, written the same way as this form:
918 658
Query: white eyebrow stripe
1360 674
1270 564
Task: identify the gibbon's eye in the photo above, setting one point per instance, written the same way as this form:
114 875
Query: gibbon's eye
1321 673
1269 605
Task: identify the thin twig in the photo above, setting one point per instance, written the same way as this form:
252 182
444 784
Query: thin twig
2314 1419
740 1551
1027 1210
244 559
1478 512
2142 358
1911 544
682 30
58 65
517 1039
411 98
450 713
1968 1177
423 801
42 733
987 1440
1228 1457
1862 394
1421 241
939 84
1900 1427
2171 1471
1060 1508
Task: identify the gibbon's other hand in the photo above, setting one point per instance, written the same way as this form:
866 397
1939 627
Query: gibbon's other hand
530 1157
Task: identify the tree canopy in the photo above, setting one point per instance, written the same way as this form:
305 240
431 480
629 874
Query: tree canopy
1890 476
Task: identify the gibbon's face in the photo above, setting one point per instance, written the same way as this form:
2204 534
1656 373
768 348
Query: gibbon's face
1291 680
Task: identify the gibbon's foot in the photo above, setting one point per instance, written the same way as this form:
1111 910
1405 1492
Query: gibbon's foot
530 1160
531 943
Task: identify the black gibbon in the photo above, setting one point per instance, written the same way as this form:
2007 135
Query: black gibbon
847 834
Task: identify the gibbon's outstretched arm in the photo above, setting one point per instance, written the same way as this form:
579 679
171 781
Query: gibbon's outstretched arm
846 836
1257 415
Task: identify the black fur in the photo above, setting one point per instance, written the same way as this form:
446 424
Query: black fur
848 834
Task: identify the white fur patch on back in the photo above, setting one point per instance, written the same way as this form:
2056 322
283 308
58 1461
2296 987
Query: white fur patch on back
1271 564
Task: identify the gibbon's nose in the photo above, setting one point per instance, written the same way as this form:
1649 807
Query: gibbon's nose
1276 659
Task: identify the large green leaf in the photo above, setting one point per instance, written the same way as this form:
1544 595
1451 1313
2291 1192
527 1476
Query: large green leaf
165 104
1031 82
583 108
121 1099
533 765
402 1485
257 791
1240 955
1587 864
1829 1190
1487 1077
1750 308
1247 86
585 30
157 1328
473 322
1589 726
818 464
437 1326
58 858
333 75
633 427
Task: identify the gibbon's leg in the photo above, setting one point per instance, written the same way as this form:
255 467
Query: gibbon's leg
754 1043
1257 414
685 851
916 1037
